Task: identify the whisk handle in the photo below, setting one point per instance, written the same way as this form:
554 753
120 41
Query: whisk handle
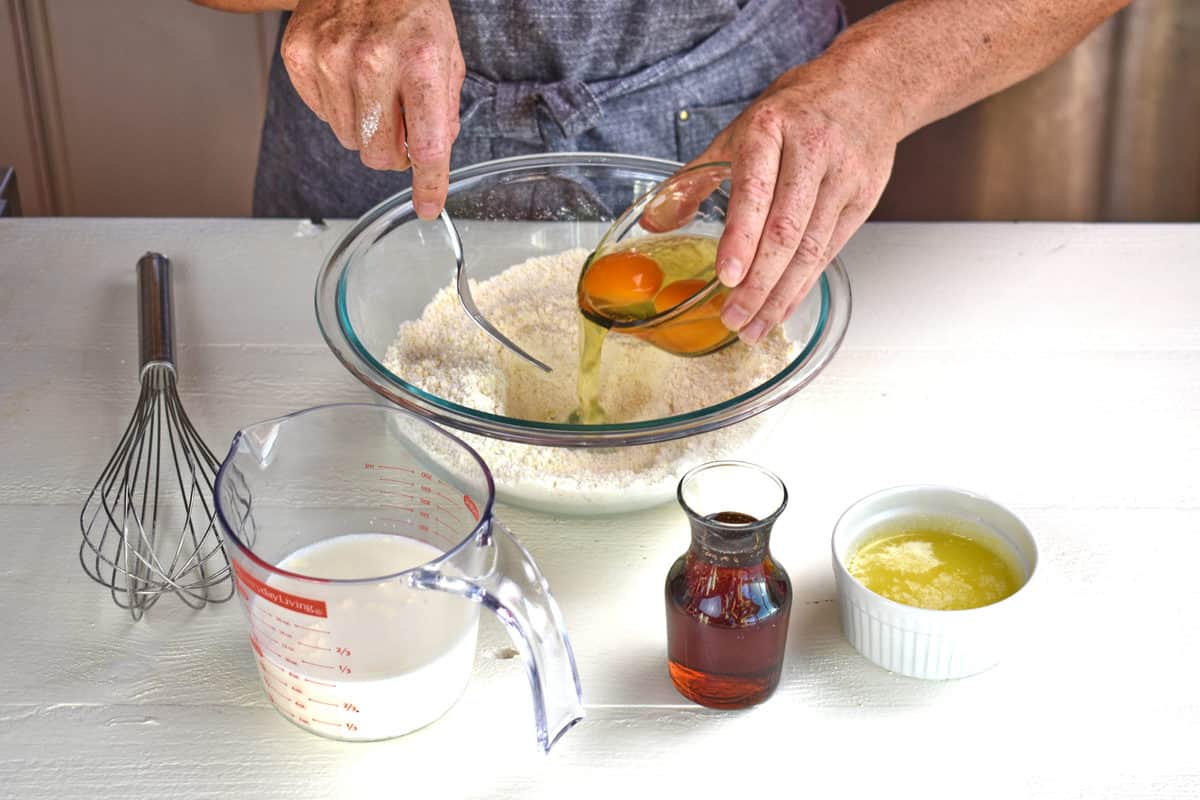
156 310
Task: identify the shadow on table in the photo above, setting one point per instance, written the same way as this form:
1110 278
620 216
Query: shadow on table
642 670
827 671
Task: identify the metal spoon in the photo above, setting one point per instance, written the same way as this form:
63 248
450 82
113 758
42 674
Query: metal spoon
468 303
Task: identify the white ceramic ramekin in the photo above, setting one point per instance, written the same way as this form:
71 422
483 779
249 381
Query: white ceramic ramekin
919 642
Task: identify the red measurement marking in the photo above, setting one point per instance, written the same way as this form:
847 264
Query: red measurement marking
350 726
470 504
350 707
320 683
343 651
326 722
254 644
314 630
313 646
342 668
281 707
322 703
281 620
303 721
290 661
314 664
272 683
297 691
397 480
278 702
256 630
261 616
273 640
302 605
444 524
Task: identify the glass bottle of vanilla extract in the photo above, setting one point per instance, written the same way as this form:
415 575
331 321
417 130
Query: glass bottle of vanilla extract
728 600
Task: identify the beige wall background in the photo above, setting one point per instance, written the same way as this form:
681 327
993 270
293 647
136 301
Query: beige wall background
153 108
1110 132
132 107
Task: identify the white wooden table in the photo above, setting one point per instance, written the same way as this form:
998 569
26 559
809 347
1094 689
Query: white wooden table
1053 367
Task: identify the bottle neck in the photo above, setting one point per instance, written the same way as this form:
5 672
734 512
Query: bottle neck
728 545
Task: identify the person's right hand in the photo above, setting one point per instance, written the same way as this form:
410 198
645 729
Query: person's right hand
383 73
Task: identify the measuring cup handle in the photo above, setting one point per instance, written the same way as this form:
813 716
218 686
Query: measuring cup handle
515 591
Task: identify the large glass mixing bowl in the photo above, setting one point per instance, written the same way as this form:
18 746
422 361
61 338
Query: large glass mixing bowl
386 269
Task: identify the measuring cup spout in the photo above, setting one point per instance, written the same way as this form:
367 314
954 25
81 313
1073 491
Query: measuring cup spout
510 586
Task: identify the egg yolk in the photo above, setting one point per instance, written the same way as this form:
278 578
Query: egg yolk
619 280
697 331
675 293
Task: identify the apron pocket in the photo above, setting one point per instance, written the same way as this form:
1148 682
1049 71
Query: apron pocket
696 127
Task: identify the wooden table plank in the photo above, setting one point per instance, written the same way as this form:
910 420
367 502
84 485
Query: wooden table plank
1055 367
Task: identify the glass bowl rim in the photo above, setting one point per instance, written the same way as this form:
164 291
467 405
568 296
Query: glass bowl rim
339 335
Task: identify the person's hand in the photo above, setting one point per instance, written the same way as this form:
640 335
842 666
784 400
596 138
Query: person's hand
386 76
810 159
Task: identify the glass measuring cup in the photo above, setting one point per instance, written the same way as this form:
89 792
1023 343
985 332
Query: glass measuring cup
680 313
343 518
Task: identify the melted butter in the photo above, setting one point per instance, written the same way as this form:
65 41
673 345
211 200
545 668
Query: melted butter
934 564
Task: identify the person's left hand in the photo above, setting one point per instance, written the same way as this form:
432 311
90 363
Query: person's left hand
810 159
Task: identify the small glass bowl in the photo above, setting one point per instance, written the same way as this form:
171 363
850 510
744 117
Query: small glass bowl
691 202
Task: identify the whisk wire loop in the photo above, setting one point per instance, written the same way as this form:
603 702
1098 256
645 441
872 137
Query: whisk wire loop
144 534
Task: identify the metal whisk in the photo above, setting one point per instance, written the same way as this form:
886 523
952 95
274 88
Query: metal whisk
146 534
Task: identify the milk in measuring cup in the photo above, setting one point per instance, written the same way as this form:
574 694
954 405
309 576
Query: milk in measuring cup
384 660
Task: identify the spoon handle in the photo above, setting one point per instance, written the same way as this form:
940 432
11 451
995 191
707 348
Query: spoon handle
468 302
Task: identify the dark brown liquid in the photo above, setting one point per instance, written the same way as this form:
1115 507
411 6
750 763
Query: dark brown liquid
732 518
726 626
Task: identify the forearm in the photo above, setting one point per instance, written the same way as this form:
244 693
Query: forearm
248 6
926 59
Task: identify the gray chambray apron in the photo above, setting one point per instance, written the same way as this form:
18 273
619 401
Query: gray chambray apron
631 76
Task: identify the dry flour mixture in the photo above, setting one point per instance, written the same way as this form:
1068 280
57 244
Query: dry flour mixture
445 354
